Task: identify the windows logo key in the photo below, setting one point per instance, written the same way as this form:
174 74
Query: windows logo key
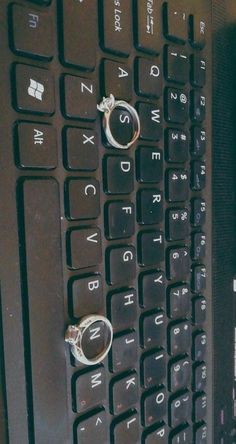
36 90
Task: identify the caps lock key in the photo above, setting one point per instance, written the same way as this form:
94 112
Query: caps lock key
117 25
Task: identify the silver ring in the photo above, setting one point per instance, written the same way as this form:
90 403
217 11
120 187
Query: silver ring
107 105
74 335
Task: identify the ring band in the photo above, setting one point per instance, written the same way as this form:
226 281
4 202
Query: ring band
107 105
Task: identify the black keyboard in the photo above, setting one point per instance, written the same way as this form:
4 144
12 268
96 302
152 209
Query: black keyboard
106 288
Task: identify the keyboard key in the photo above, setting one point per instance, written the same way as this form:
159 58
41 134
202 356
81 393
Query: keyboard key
201 434
183 437
80 16
177 144
179 263
178 224
198 106
199 310
147 26
180 410
95 425
90 389
197 31
117 80
198 212
200 407
127 430
180 338
199 346
86 295
153 368
159 436
198 70
150 206
123 309
176 23
198 246
152 289
199 278
81 149
176 65
150 121
34 90
198 175
119 175
180 375
121 126
149 165
125 393
36 147
179 301
79 101
153 329
122 265
84 247
151 248
117 26
124 352
198 143
82 199
149 77
154 407
200 375
119 219
178 185
32 32
177 105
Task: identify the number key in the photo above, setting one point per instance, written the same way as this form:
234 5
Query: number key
180 338
177 105
177 65
177 142
180 375
178 185
179 263
178 224
180 409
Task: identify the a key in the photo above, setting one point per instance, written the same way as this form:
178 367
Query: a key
79 100
180 409
179 301
198 141
178 224
149 165
175 23
178 185
150 121
200 375
152 289
154 407
124 352
153 368
120 219
81 149
179 263
177 105
86 295
201 434
150 248
34 90
84 247
176 65
149 77
198 175
150 206
153 329
199 346
126 430
199 278
177 144
125 393
90 389
198 212
117 80
198 106
180 338
32 32
147 26
198 70
183 437
123 308
200 407
82 199
117 26
180 375
95 425
199 310
119 175
158 436
197 31
121 265
198 246
79 33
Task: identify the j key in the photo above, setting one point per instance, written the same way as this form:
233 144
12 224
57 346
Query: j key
198 246
198 70
153 369
37 147
198 142
200 407
178 185
84 247
183 437
200 375
197 31
149 165
152 289
123 307
126 430
86 295
178 224
125 393
82 198
180 338
199 278
124 352
34 90
150 121
198 175
176 23
149 81
180 409
180 375
179 301
148 26
122 265
198 212
177 105
199 346
199 310
120 219
176 65
117 80
80 101
80 16
179 263
150 206
177 142
158 436
198 106
154 407
95 425
90 389
117 26
201 435
154 330
81 149
32 32
119 175
151 248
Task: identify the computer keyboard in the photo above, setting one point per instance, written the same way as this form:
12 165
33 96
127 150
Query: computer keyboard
106 282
